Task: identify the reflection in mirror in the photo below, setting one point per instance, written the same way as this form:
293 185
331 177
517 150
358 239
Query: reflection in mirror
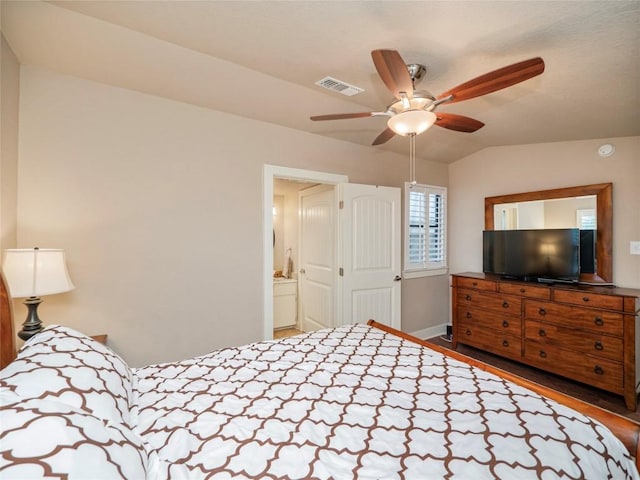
517 211
573 212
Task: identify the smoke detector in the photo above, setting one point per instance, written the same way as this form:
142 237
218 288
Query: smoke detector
606 150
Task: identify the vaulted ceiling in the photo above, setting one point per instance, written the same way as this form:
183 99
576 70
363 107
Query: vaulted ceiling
261 59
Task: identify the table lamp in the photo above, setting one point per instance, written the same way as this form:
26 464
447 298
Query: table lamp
32 273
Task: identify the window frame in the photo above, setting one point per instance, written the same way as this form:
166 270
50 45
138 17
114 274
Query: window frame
425 267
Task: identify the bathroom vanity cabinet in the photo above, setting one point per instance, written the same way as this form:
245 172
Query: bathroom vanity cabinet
285 303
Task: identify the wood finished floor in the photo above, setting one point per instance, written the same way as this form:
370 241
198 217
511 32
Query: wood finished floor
286 332
595 396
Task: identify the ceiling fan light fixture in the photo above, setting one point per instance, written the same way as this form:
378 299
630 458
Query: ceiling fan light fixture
411 122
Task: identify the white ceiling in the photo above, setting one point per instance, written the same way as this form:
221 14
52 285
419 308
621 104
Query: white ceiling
260 59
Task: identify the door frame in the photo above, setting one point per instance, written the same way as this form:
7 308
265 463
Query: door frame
270 172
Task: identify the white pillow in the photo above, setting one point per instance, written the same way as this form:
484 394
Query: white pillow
50 439
64 365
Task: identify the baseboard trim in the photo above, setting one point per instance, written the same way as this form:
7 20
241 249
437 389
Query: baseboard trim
431 332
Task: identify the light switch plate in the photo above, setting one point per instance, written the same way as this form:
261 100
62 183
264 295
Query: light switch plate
634 248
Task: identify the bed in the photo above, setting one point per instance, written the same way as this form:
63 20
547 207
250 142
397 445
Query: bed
357 401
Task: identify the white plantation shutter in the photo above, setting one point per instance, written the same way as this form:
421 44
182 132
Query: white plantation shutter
425 229
417 227
436 230
586 219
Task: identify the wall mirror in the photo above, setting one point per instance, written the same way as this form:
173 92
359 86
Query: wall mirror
583 196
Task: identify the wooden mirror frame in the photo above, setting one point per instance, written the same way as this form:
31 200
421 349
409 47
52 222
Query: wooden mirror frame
604 215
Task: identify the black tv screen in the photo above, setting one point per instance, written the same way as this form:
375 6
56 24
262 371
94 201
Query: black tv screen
535 255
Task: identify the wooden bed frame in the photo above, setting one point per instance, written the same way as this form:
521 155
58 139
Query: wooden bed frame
625 429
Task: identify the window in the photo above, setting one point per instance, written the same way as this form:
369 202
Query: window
425 230
586 219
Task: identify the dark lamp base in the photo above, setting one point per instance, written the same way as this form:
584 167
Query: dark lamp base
32 324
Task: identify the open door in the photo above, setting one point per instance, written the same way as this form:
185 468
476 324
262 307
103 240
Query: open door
317 248
370 223
364 241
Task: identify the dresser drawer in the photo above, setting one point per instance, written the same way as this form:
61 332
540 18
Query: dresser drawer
480 318
497 342
532 291
595 300
599 321
598 372
476 283
491 301
604 346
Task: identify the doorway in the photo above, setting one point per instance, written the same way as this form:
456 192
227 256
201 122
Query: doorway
304 218
366 247
271 173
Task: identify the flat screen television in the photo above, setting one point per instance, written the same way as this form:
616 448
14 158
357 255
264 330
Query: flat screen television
533 255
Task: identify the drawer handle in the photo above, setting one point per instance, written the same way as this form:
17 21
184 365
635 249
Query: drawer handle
543 354
505 304
598 321
542 333
505 324
522 290
585 299
468 332
542 311
467 298
598 345
598 370
505 343
468 315
475 284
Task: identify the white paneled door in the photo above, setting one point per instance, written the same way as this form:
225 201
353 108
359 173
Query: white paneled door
370 254
349 255
317 257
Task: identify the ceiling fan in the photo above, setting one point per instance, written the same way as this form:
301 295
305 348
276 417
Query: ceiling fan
413 111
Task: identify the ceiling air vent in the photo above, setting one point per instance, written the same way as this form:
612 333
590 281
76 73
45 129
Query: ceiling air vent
339 86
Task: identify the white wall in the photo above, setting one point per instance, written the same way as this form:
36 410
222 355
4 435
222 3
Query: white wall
159 207
523 168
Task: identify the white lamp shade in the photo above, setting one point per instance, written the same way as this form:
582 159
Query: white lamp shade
411 122
35 272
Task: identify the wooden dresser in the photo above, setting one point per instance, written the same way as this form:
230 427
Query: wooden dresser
584 333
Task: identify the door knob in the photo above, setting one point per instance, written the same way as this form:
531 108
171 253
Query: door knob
397 278
302 271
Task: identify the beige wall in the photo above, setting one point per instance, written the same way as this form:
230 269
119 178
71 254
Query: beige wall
159 207
563 213
522 168
278 231
9 95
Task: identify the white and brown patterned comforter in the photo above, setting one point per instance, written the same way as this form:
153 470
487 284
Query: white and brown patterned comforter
347 403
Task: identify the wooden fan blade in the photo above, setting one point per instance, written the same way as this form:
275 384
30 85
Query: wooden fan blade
393 72
496 80
459 123
386 135
341 116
